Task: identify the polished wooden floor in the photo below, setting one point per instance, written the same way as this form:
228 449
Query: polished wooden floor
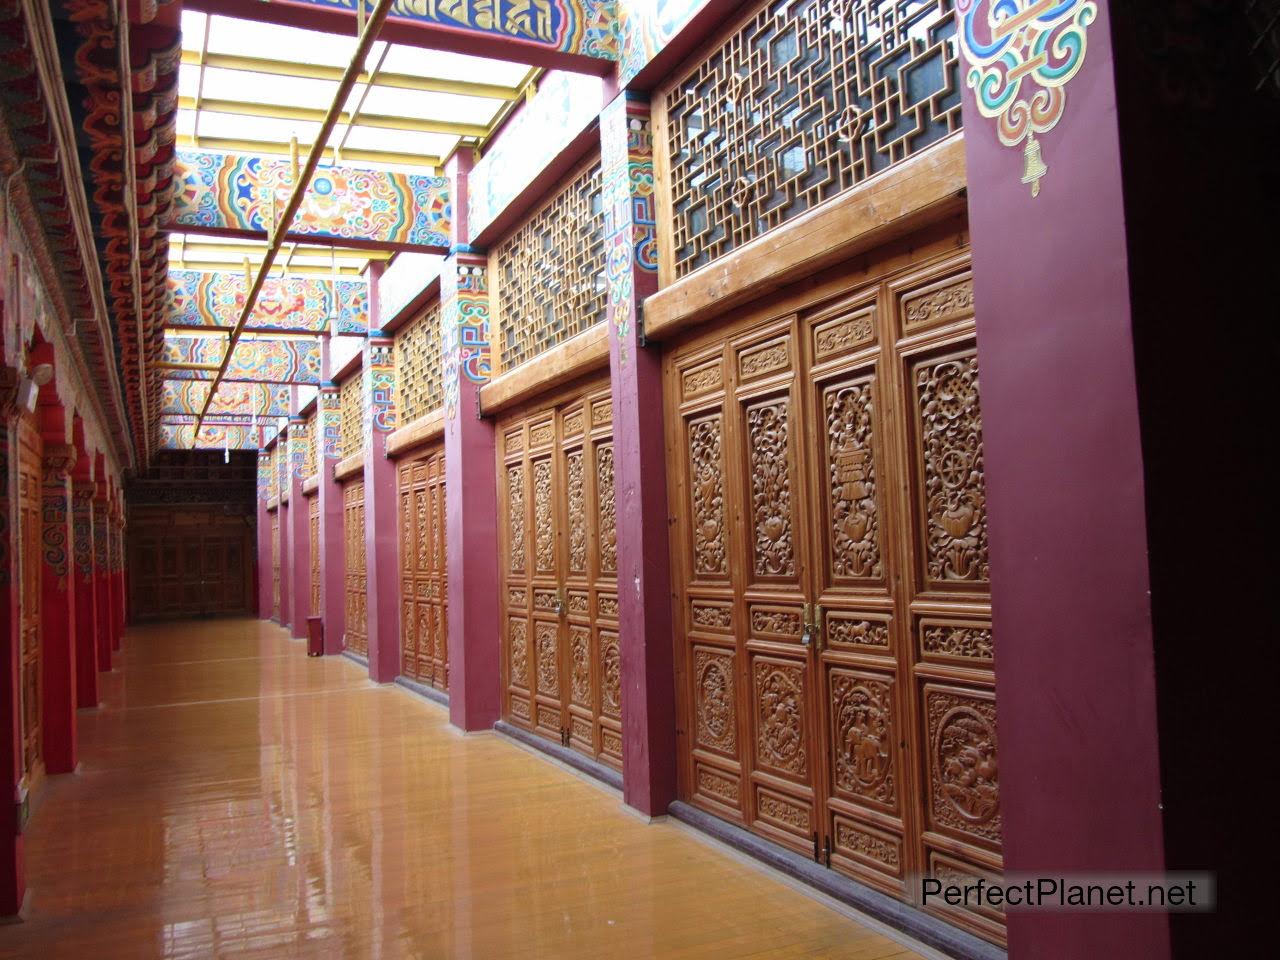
237 799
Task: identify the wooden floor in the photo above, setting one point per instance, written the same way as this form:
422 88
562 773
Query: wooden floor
237 799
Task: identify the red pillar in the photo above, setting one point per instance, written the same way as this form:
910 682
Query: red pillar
471 487
299 528
57 610
264 535
283 512
120 571
113 583
381 525
1075 679
644 575
102 631
86 593
12 873
332 558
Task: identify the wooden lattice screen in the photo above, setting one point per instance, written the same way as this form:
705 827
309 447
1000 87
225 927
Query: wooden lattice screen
309 463
419 377
550 271
803 101
351 409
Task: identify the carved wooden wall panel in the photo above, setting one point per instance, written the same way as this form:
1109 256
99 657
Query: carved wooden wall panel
191 560
275 563
351 415
309 465
419 366
836 678
313 523
548 275
558 554
357 636
424 608
800 101
31 536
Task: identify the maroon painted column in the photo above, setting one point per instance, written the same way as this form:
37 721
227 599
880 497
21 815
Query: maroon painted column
381 523
264 535
644 574
1075 679
283 512
86 652
299 528
12 869
113 581
57 611
101 574
471 484
332 558
120 593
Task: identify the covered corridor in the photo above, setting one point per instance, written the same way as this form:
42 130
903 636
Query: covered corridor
236 798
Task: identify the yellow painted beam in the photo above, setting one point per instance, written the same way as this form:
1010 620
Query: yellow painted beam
280 111
200 248
282 149
315 71
214 266
203 367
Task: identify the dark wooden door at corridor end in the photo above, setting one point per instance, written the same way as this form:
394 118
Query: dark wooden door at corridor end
559 571
192 561
834 648
31 538
357 598
424 619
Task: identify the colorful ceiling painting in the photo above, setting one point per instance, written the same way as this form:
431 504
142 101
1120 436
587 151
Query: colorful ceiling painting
243 194
289 304
565 104
261 360
213 436
183 397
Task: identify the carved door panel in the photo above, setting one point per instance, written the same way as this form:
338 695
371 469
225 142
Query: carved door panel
835 665
31 535
424 625
275 563
560 573
313 521
357 636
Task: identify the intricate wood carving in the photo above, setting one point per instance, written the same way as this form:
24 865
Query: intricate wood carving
546 645
518 653
961 642
851 481
577 515
610 675
862 737
544 544
783 811
780 716
719 786
580 665
767 426
706 474
715 700
964 778
608 523
515 517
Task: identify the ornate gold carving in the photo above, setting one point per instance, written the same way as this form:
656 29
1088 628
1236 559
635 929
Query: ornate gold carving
963 770
862 736
702 379
762 360
610 676
544 543
545 639
552 272
608 525
706 481
951 300
964 642
767 426
577 514
851 482
951 450
518 641
715 700
780 735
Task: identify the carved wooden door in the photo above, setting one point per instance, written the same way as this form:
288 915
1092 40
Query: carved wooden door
357 635
275 563
836 680
559 549
424 624
188 562
31 535
313 522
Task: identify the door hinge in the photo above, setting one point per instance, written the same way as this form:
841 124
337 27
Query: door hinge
826 851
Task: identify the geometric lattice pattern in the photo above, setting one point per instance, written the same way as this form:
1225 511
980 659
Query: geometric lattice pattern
551 272
351 406
419 377
806 100
309 458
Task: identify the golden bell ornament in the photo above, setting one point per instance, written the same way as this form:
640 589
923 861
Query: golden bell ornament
1033 165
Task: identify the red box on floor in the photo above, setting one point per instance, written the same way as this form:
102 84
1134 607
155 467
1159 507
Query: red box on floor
315 636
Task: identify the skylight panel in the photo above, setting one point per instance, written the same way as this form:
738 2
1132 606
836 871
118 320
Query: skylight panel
392 102
248 38
455 66
230 126
249 87
400 141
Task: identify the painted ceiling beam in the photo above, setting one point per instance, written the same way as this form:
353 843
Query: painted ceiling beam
282 111
577 35
293 304
184 398
274 148
196 249
316 71
257 360
303 269
211 436
246 196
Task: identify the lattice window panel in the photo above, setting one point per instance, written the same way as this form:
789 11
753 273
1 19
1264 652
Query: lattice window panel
309 464
419 360
551 272
351 410
807 99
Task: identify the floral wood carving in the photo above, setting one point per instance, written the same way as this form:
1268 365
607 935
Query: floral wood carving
862 735
608 509
577 514
963 769
580 674
969 643
714 692
771 489
851 468
780 740
610 676
544 638
518 640
706 478
543 534
515 497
